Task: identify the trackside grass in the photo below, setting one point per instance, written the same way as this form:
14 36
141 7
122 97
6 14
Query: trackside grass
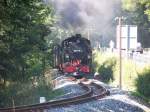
130 70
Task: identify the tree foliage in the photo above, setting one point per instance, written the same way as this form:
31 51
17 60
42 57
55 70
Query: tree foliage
138 13
24 24
146 4
134 5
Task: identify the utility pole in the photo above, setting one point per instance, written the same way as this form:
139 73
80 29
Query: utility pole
89 30
120 47
60 31
13 104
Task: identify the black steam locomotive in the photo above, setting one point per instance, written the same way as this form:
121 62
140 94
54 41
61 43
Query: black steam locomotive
73 56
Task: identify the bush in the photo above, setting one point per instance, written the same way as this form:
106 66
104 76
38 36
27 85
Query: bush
26 93
143 82
106 70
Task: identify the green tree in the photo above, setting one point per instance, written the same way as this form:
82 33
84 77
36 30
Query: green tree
137 12
24 26
146 4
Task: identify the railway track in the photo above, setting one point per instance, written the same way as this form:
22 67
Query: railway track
93 91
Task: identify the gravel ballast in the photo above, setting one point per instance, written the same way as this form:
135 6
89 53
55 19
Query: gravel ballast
118 101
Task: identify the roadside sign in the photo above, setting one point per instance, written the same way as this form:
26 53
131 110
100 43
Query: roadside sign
128 37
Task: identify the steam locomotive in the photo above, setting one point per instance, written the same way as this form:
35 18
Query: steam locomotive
73 56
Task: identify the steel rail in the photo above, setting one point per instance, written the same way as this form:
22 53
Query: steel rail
87 96
49 104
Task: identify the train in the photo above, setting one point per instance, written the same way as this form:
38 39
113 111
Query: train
73 56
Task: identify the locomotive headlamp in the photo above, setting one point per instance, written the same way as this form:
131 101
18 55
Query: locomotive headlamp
89 56
67 56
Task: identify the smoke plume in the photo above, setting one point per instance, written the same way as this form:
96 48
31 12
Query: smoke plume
82 15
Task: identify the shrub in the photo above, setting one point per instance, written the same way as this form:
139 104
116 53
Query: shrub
106 69
26 93
143 82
